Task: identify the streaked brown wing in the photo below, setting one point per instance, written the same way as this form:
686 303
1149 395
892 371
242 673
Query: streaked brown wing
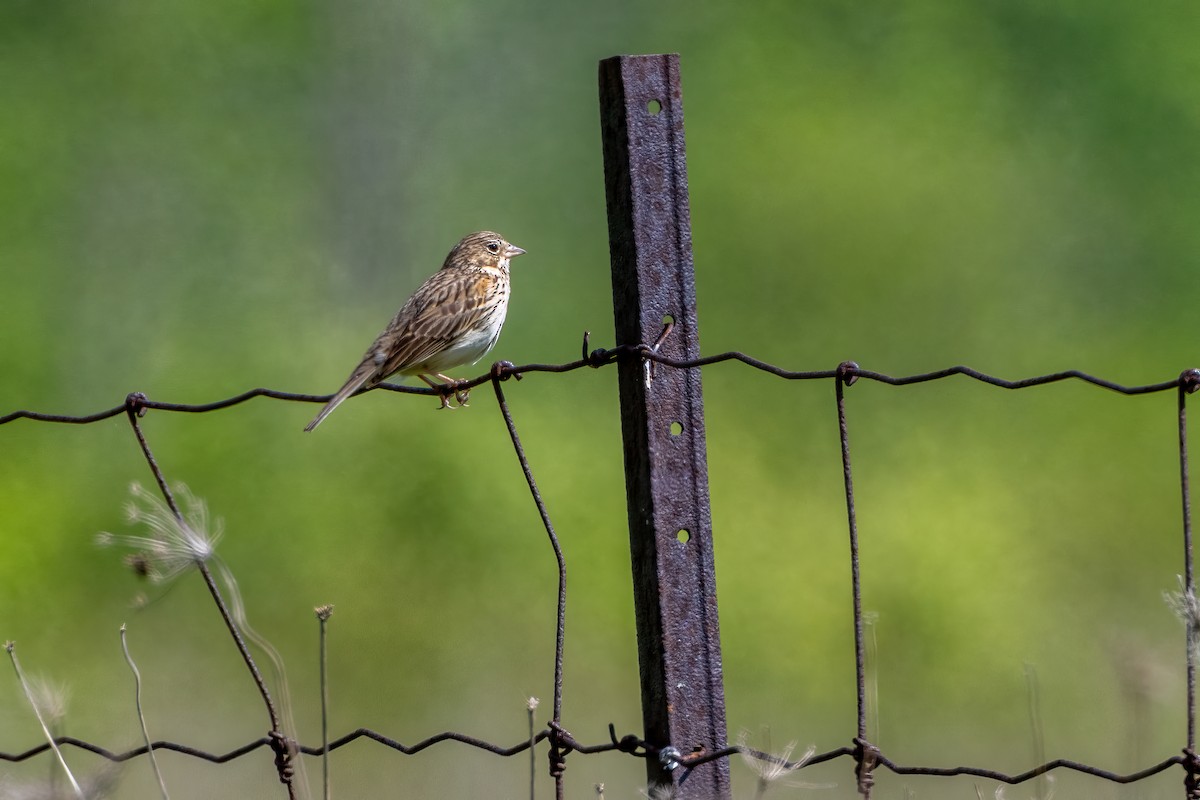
448 304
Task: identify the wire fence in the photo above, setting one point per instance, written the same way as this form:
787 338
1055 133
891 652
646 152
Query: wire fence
867 756
683 742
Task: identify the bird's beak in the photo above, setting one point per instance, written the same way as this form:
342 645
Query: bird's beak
513 250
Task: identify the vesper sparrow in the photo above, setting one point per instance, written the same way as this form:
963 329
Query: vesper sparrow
454 318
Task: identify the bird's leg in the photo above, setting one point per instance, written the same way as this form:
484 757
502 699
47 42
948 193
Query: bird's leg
461 395
442 390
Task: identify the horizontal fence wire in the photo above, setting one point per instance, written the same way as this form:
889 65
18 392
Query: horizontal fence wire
503 370
867 757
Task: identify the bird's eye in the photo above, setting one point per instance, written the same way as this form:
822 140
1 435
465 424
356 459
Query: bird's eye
493 246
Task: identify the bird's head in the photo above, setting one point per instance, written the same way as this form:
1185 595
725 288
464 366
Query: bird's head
482 250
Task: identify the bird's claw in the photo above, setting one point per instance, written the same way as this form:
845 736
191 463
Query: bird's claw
461 395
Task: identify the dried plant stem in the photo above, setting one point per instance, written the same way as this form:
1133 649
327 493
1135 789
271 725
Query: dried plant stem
1036 728
11 647
531 706
323 614
137 697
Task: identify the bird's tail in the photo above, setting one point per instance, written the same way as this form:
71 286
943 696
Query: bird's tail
353 385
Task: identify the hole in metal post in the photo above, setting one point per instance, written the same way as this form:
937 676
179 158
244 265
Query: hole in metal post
654 107
668 319
676 428
683 536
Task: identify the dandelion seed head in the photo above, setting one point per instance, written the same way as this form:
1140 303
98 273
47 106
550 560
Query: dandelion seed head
532 703
1184 605
172 544
770 767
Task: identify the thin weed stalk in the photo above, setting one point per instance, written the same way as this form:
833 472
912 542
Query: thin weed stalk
531 705
11 647
137 699
323 615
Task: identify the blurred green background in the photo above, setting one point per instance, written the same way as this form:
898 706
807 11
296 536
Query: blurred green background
201 198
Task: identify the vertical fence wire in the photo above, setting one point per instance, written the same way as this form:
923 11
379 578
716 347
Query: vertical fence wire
1189 381
866 753
559 744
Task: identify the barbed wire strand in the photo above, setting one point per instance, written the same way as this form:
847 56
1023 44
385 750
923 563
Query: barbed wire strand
865 755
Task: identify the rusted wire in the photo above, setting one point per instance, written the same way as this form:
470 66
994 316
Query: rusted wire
865 754
603 357
501 371
630 744
1189 382
361 733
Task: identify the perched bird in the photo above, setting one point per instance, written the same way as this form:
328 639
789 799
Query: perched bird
454 318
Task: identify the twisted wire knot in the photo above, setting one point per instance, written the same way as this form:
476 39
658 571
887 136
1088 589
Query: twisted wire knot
867 757
1191 783
285 749
135 403
597 358
503 370
560 747
626 744
847 373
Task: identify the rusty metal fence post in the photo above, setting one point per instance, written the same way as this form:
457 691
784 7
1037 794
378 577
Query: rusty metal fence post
662 420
